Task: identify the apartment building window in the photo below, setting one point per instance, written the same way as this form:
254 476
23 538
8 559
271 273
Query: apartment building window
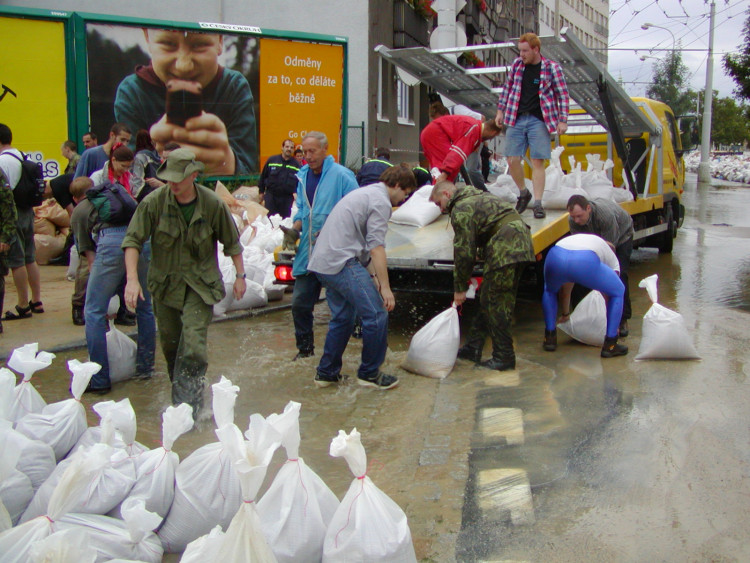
404 101
383 89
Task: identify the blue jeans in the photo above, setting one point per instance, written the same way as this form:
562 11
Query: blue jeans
106 275
582 267
306 294
352 293
528 132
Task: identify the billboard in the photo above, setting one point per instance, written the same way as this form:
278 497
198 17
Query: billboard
33 102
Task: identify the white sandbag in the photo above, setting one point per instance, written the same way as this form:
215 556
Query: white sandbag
5 521
207 487
597 185
368 525
665 335
117 428
73 263
505 193
266 237
131 538
67 546
155 469
205 548
557 197
36 459
434 347
257 262
588 321
16 491
418 210
255 296
61 424
621 195
298 506
111 476
244 539
220 308
7 395
113 306
26 361
121 354
274 291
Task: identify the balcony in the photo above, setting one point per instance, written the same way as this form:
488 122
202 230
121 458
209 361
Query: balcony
409 28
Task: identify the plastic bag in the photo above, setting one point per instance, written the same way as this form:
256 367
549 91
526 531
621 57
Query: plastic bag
205 548
5 521
25 360
298 506
255 296
61 424
368 525
665 336
36 459
121 354
433 349
117 428
418 210
16 491
588 321
207 487
7 395
67 546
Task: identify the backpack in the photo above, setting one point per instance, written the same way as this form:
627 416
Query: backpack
113 203
29 192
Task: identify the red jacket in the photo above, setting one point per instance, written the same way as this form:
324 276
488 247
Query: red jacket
448 140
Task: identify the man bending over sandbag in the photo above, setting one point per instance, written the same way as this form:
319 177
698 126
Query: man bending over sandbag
482 220
349 259
587 260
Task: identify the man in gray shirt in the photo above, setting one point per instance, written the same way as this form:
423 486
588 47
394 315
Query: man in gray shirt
611 222
349 259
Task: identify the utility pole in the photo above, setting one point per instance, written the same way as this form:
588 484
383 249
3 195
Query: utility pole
704 168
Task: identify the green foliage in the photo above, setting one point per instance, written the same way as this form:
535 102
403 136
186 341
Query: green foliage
669 83
737 65
729 122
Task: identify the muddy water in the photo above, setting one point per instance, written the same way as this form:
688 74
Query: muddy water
568 458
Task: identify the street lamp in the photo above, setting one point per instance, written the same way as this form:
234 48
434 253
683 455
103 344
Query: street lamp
646 26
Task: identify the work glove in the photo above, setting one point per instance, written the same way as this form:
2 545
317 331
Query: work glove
291 236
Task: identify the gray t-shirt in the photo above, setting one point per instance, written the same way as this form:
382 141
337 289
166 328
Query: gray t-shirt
356 225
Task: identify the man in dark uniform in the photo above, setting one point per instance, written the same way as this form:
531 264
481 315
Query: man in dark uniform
372 169
482 220
278 181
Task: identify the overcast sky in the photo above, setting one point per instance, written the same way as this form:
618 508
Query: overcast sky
688 20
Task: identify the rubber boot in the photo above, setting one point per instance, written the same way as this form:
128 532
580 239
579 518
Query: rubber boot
550 340
499 364
611 348
471 353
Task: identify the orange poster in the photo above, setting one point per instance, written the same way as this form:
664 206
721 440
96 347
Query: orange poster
301 90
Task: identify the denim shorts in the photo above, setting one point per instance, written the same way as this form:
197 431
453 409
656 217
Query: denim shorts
22 250
528 133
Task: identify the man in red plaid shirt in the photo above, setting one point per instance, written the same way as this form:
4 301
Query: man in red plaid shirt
533 105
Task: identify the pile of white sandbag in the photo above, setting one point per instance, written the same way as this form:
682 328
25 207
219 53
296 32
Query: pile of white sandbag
732 167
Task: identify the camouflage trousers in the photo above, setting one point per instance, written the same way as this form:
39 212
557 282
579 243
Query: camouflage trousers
183 335
497 300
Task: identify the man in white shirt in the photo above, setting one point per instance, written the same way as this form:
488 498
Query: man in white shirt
587 260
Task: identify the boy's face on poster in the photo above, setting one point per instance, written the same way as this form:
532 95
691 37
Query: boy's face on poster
186 56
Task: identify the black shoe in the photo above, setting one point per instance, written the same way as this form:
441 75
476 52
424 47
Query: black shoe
37 307
21 313
97 390
143 376
611 348
550 340
357 332
303 354
498 365
470 353
125 319
322 381
624 329
78 318
382 381
523 200
539 212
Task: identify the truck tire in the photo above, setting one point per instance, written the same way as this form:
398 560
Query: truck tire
667 240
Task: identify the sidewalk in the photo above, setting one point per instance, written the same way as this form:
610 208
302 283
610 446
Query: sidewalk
54 329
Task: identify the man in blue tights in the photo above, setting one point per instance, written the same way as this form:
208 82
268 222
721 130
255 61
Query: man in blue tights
587 260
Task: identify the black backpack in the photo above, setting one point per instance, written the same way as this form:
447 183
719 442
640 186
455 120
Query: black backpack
29 192
113 203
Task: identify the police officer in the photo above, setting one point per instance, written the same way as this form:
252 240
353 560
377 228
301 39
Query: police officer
278 181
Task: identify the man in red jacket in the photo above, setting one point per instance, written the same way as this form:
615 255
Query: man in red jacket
448 140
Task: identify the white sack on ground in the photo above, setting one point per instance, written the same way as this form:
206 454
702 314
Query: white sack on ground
36 459
434 347
26 361
68 546
207 487
16 491
418 210
61 424
205 548
155 469
588 321
117 428
121 354
298 506
5 521
7 395
255 296
368 525
665 335
244 539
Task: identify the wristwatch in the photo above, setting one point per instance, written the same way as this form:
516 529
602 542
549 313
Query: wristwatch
243 275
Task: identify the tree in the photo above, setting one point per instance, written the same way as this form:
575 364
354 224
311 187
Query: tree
737 65
729 124
669 83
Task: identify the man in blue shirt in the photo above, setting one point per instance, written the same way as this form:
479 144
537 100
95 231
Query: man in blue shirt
95 158
372 169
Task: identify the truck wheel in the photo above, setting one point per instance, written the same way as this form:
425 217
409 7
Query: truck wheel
668 236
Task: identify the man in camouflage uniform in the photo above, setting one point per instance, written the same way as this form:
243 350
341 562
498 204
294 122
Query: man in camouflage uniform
481 220
7 232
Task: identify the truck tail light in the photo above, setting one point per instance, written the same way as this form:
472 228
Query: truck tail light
283 273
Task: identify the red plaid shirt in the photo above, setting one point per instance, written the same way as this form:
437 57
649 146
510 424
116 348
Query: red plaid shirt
553 94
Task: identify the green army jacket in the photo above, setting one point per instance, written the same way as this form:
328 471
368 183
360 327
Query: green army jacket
181 254
8 214
482 220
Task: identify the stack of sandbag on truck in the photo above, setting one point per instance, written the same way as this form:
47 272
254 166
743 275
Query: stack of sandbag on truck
51 228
